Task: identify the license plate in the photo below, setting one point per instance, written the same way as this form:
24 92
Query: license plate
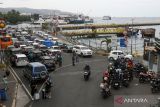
116 83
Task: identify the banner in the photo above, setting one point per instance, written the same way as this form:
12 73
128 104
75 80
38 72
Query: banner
123 42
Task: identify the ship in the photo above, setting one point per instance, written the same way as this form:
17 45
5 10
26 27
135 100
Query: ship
106 17
80 20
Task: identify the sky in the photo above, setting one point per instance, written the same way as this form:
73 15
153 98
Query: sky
94 8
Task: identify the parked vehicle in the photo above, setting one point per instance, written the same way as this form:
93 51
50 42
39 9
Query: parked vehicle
35 71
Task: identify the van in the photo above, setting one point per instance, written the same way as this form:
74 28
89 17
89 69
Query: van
35 71
20 60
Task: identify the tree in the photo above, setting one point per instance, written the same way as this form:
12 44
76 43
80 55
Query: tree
45 26
35 16
107 41
13 16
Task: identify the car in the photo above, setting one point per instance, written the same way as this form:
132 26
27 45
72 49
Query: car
36 55
113 55
35 71
27 49
82 50
19 60
48 62
14 51
56 48
68 48
43 48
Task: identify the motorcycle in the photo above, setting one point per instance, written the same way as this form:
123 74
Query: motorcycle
86 75
138 69
125 82
144 78
155 86
116 84
105 92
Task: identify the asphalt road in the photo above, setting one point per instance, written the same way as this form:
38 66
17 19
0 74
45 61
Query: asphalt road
70 90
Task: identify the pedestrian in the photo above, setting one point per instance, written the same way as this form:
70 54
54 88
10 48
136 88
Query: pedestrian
60 60
33 88
77 58
5 82
74 53
73 60
48 88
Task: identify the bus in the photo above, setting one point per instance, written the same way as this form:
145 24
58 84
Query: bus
5 41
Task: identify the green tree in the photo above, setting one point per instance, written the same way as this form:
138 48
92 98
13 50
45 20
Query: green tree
45 26
13 16
107 41
35 16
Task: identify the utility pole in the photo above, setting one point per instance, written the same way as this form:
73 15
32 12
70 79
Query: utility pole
131 36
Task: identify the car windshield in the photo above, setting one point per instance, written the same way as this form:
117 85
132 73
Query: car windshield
39 69
55 47
22 59
84 48
43 47
16 52
48 60
70 46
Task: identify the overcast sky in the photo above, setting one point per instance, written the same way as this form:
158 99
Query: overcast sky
120 8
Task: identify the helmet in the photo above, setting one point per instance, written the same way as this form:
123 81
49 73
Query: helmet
110 64
105 78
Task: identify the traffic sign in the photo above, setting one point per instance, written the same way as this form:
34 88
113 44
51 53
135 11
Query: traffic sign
122 42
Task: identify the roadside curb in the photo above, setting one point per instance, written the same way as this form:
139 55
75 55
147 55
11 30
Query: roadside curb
21 83
15 96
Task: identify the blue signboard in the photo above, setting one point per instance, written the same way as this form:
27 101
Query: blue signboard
122 42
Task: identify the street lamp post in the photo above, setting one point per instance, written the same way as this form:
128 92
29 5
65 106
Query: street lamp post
131 36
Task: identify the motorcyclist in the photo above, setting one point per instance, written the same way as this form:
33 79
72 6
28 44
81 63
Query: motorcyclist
126 74
106 74
105 87
117 62
110 66
87 69
130 63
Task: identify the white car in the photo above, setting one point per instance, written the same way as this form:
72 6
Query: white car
82 50
56 48
21 60
118 53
